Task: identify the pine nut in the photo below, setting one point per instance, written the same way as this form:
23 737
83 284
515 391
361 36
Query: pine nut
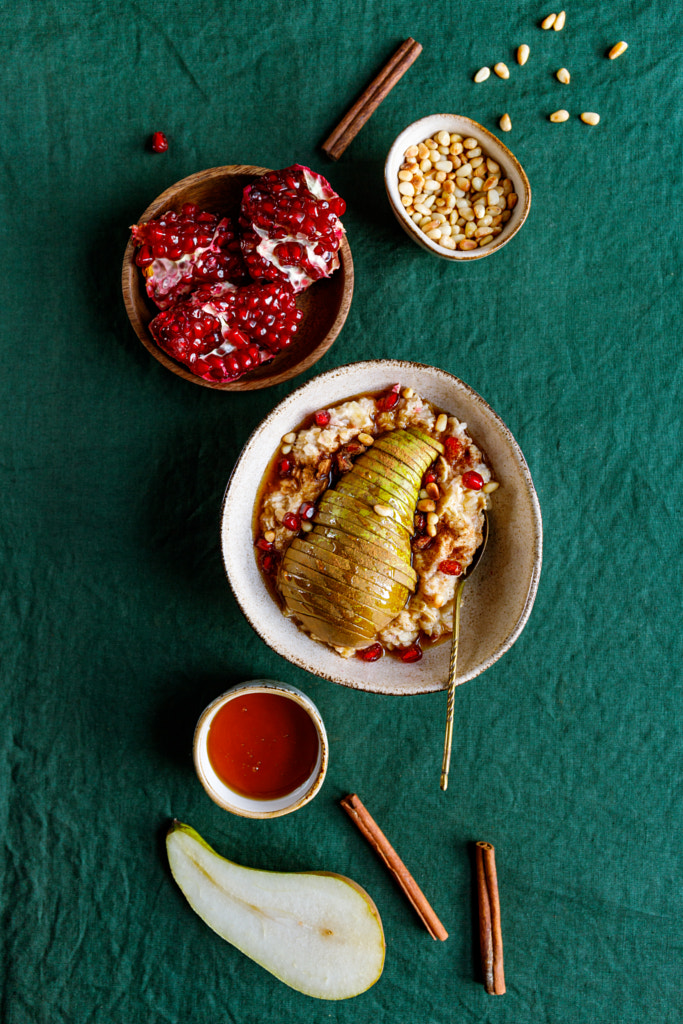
558 24
444 165
433 490
482 74
490 487
286 449
501 69
492 197
382 510
548 21
447 243
616 50
306 526
432 518
469 243
434 234
522 54
485 240
411 151
441 423
563 76
559 116
366 438
427 505
505 123
269 535
590 118
512 200
289 438
406 188
444 138
407 392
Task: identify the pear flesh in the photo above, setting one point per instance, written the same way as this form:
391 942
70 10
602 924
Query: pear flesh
319 933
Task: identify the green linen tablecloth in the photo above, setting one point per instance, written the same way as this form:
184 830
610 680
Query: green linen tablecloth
118 625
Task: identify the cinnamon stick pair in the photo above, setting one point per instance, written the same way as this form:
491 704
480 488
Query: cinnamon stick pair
367 103
490 935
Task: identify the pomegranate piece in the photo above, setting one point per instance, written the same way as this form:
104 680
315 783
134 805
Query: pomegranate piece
220 338
322 418
159 142
291 521
472 480
291 231
372 653
178 252
307 510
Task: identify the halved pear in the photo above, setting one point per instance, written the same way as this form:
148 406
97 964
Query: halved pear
319 933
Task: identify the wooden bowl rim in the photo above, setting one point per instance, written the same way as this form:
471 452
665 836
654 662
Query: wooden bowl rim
130 271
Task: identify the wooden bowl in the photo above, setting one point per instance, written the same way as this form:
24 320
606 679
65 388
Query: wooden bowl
325 304
425 128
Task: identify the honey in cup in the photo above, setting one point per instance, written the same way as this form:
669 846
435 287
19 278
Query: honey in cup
261 749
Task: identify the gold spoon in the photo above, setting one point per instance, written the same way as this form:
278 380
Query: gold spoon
445 765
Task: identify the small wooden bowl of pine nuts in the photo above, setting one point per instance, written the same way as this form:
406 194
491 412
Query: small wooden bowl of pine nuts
454 188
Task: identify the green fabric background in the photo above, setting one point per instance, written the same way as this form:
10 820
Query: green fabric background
118 625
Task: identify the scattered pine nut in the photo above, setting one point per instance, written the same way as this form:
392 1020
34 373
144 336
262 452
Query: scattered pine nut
441 423
426 505
382 510
559 116
548 21
482 74
562 75
522 54
590 118
617 50
286 449
558 24
366 438
269 535
501 69
289 438
505 123
490 487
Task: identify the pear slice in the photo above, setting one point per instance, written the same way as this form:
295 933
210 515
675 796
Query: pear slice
338 504
319 933
300 567
336 553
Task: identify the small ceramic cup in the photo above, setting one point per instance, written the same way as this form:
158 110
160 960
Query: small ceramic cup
235 802
425 128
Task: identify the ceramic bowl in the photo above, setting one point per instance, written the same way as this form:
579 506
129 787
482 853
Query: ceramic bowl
325 304
235 802
423 129
499 597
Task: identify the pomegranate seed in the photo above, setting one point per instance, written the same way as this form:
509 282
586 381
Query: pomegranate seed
371 653
269 563
322 418
453 449
450 567
307 510
292 521
389 400
285 465
411 654
264 545
430 477
472 481
159 142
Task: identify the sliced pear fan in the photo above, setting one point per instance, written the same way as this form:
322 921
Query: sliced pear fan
352 574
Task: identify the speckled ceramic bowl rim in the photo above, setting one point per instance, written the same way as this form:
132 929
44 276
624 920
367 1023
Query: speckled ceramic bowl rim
428 125
216 788
396 367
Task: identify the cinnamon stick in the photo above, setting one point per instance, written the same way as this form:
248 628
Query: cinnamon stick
490 935
370 99
381 845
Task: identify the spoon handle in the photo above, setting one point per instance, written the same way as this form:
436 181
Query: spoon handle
445 765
